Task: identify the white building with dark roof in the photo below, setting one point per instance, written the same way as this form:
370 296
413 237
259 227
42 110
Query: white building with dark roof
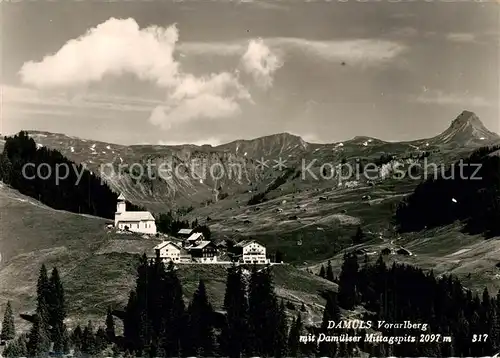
170 251
251 252
204 252
137 221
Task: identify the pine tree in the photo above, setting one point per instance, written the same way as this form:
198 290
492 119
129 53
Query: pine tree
329 272
8 329
263 313
43 291
38 339
131 323
57 334
21 346
294 337
234 333
347 295
330 313
56 301
281 334
173 332
12 350
200 323
322 272
110 326
77 338
88 339
101 340
66 340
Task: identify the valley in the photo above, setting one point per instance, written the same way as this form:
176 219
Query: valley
309 221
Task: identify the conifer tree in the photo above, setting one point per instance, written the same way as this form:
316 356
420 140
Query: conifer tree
43 291
88 339
347 295
281 333
58 339
66 340
234 333
329 272
110 326
201 330
294 336
76 338
263 313
21 346
8 328
12 350
173 324
56 301
330 313
131 323
101 339
38 340
322 272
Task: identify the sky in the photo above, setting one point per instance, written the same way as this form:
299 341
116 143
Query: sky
209 72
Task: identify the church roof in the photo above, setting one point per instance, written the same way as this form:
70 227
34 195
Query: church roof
128 216
121 197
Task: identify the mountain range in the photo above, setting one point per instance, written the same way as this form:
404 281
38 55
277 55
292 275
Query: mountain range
309 220
117 163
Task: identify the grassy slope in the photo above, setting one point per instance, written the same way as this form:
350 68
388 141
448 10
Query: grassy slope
444 250
98 266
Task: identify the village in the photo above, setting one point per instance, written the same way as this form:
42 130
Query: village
189 246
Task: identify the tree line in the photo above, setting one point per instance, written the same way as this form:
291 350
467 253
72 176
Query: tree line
468 191
89 195
405 293
254 322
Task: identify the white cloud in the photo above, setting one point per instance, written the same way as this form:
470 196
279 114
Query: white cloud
119 46
27 96
462 99
114 47
260 62
461 37
367 52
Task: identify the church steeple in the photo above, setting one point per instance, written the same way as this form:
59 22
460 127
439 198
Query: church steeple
120 205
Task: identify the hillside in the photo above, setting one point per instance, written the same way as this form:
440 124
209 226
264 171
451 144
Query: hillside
309 220
160 177
97 265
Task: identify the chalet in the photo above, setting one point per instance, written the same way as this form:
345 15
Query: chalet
251 252
194 239
137 221
170 251
184 233
204 251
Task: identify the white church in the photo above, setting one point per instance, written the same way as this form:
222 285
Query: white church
137 221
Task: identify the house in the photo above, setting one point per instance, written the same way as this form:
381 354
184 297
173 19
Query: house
136 221
251 252
184 233
170 251
194 239
204 251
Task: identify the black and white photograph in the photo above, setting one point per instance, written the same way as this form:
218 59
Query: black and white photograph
249 178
